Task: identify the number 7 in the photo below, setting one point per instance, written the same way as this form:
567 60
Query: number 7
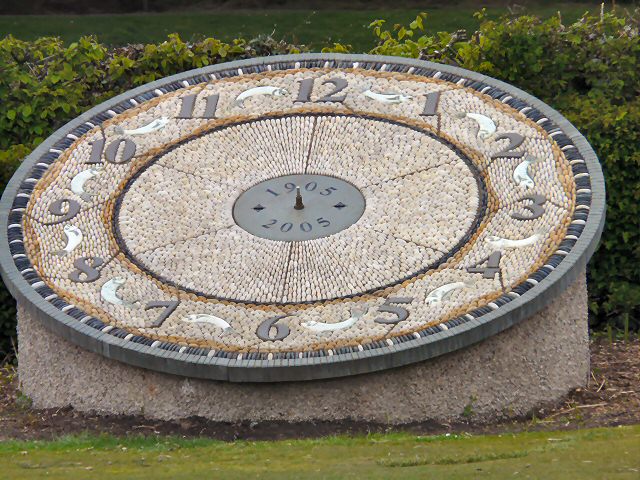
169 308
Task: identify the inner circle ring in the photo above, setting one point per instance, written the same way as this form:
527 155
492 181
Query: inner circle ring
480 213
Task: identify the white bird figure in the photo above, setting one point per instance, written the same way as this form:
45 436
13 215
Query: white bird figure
154 126
388 98
356 314
487 126
109 292
438 295
521 173
265 90
211 320
504 243
77 182
74 236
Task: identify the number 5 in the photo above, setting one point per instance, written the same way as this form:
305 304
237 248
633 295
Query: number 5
399 312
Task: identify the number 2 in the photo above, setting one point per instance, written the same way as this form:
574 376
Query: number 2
307 84
515 140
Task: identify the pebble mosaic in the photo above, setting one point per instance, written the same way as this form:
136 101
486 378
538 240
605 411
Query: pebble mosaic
380 206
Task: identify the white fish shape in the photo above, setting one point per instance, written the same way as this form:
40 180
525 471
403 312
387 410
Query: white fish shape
211 320
255 91
387 98
109 292
504 243
154 126
487 126
438 295
356 314
74 236
521 173
77 182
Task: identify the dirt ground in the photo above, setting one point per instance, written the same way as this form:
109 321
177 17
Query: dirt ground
611 398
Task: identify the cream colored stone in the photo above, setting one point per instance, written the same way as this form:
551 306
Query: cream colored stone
532 363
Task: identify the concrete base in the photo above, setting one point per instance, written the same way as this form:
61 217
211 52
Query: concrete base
509 374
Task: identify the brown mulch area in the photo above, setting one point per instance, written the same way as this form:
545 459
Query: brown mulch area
611 398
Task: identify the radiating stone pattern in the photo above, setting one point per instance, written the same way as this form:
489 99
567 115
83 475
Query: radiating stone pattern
175 218
178 225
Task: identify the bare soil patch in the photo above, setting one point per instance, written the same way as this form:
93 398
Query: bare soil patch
611 398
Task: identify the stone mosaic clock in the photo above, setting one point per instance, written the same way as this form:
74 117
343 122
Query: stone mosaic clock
301 217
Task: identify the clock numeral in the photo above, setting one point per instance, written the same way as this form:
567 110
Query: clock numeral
169 307
304 226
492 268
58 209
340 84
271 223
431 104
97 147
290 187
265 328
536 208
86 269
111 152
328 191
304 93
306 88
515 140
323 222
189 103
400 312
129 150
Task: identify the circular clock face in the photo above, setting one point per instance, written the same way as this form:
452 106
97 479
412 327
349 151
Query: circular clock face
301 217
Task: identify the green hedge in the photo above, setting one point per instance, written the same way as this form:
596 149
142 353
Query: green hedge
589 70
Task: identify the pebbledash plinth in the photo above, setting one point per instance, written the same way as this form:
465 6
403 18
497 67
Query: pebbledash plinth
300 217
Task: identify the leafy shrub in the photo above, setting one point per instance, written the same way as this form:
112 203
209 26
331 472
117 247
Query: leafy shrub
588 70
44 84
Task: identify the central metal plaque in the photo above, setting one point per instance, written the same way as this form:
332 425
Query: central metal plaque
325 205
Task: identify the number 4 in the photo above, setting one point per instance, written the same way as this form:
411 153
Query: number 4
492 268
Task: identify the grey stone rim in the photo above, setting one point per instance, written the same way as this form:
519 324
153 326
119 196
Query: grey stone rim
532 295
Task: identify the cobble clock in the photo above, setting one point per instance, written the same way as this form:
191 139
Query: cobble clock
301 217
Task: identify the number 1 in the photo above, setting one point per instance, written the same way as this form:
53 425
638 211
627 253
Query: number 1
189 103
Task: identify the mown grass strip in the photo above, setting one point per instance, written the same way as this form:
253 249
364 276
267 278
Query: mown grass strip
599 453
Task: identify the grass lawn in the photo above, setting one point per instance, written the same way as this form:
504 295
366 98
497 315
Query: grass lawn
316 28
610 453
